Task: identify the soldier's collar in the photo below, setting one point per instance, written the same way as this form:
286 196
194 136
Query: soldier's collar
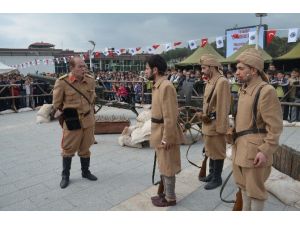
252 85
72 78
160 80
214 79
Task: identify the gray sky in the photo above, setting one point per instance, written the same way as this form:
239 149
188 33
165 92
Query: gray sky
72 31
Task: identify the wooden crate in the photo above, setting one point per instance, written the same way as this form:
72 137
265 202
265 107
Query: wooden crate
109 127
287 161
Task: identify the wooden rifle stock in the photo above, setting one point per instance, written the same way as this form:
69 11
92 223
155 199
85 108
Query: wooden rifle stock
238 205
202 172
161 188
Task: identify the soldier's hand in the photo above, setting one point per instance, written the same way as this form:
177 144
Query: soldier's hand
260 160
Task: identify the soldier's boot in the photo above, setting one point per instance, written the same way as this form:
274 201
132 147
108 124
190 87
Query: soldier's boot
257 205
216 181
246 201
86 173
211 172
66 172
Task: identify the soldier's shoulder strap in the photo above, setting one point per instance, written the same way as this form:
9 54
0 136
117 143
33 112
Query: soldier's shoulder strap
63 77
255 103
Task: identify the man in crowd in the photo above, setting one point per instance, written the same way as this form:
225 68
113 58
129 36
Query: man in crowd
295 94
74 95
166 136
258 125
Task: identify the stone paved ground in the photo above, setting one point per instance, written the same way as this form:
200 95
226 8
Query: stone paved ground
30 167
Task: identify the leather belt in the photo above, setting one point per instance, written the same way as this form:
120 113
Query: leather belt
251 131
154 120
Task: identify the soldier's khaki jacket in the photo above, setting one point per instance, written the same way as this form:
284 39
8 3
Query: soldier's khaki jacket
269 116
65 96
165 106
219 103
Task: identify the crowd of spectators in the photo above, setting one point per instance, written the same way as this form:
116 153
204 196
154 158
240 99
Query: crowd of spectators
19 91
132 87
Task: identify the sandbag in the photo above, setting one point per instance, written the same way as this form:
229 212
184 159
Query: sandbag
43 115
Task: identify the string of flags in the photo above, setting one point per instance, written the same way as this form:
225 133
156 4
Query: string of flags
293 34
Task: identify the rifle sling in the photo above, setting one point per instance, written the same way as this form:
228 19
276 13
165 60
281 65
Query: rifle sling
79 92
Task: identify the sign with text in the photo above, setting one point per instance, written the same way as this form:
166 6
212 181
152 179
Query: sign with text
238 37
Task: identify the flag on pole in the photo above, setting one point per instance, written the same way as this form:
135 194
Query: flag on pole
204 41
220 42
293 35
168 47
150 50
177 43
252 37
155 46
270 35
118 51
131 51
192 44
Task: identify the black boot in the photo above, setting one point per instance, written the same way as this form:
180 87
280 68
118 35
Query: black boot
66 172
217 178
86 173
211 172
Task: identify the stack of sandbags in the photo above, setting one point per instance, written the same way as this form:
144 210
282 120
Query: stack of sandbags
7 111
126 140
135 135
26 109
284 188
43 115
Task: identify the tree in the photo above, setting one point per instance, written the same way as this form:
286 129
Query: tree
177 54
279 46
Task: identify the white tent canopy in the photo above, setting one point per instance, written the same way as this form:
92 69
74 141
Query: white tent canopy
4 68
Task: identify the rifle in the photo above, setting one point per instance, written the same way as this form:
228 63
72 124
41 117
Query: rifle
238 205
160 190
202 172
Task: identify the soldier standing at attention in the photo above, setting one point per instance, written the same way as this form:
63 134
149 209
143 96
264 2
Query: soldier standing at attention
258 126
74 95
216 107
166 136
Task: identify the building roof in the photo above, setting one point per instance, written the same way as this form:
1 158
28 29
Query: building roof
41 45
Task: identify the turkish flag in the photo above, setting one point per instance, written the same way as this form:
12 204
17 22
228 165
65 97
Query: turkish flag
155 46
138 48
177 43
270 36
97 54
204 41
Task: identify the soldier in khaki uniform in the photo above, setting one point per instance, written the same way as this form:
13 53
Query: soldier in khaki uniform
80 139
166 135
216 107
258 126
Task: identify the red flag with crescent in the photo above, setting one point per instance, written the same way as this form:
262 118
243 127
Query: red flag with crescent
270 36
204 41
